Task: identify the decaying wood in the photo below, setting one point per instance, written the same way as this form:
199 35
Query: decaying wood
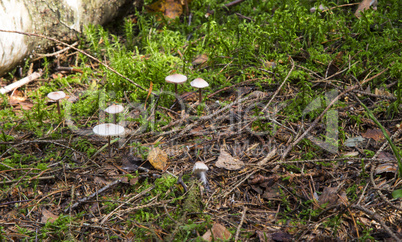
21 82
62 20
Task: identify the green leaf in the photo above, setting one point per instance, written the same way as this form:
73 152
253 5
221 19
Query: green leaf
397 193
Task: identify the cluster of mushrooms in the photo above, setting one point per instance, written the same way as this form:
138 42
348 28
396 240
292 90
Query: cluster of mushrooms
180 79
112 129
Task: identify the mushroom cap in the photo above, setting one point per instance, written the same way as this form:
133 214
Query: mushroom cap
108 129
200 167
114 108
176 79
199 83
56 95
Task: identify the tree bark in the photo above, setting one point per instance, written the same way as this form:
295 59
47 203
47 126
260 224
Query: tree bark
59 19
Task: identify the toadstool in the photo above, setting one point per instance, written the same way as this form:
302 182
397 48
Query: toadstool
199 83
200 169
56 96
108 130
176 79
114 109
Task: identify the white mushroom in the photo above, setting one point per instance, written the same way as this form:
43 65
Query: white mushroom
56 96
200 169
114 109
176 79
199 83
108 130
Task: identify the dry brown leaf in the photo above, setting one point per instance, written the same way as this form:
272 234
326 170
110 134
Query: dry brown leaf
386 168
48 216
17 98
220 232
158 158
386 156
382 92
375 134
330 197
200 59
225 160
207 236
169 8
364 5
100 181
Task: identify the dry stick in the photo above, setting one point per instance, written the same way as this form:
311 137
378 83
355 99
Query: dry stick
81 51
379 191
239 183
378 218
240 224
280 87
326 109
209 117
54 53
92 195
394 136
21 82
125 203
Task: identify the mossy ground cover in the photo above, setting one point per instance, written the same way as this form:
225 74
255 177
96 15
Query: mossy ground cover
273 67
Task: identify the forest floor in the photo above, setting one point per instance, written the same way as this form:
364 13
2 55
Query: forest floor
300 128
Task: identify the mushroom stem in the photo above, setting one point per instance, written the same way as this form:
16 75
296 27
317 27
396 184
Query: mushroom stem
58 107
110 147
203 178
175 88
200 95
114 118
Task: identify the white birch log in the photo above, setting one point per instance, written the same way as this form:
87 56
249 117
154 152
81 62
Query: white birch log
60 19
21 82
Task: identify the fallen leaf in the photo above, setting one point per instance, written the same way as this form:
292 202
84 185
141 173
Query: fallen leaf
100 181
351 154
225 160
330 197
17 98
353 142
386 168
375 134
169 8
269 64
364 5
220 232
48 216
386 156
207 236
281 236
200 59
130 162
158 158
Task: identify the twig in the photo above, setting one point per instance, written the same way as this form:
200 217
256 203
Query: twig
379 219
14 202
125 203
21 82
55 53
379 191
280 87
92 195
239 183
240 224
81 51
325 110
